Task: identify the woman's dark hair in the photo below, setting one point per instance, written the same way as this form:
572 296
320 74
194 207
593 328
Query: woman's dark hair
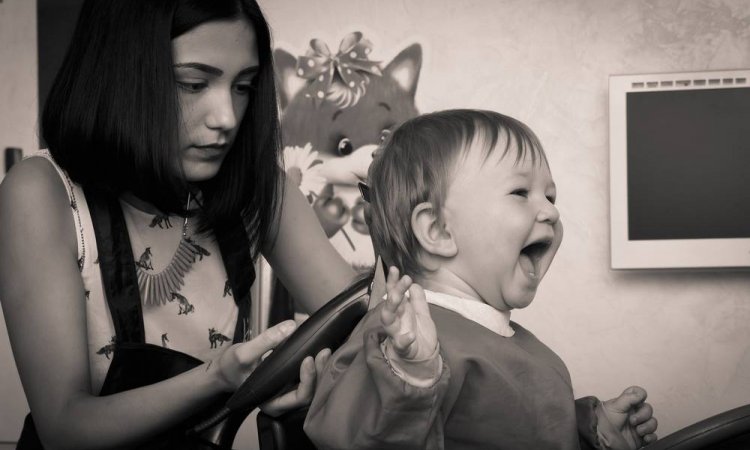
112 116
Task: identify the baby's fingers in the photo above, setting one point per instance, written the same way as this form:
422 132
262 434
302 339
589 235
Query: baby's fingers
402 343
648 427
391 278
396 290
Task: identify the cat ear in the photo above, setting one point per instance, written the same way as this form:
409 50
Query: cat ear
405 67
287 81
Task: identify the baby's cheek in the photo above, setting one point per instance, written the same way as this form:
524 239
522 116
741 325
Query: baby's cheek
559 231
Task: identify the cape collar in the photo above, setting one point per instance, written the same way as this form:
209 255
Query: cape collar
476 311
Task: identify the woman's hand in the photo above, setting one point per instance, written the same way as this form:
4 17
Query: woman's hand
309 372
237 363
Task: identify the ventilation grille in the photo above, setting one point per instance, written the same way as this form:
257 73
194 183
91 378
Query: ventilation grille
685 83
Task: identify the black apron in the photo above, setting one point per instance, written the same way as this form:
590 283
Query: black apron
136 363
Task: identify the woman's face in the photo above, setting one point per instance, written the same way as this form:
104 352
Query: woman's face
214 65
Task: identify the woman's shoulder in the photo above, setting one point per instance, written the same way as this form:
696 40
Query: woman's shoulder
33 180
34 191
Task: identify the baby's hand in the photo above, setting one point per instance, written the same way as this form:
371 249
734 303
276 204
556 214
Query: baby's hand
407 321
632 419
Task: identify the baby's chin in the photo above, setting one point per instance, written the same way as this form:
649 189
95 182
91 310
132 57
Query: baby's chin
511 301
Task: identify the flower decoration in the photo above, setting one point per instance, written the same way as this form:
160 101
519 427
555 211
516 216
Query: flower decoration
302 166
351 66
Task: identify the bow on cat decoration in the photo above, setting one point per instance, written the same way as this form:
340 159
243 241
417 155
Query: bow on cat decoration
350 66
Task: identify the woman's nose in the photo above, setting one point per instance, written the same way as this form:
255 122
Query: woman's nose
221 114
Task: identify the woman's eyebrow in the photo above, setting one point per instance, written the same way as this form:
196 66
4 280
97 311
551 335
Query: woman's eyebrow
214 70
248 71
199 66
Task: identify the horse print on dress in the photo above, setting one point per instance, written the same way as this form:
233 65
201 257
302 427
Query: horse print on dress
107 349
185 306
164 340
161 221
227 289
144 262
214 337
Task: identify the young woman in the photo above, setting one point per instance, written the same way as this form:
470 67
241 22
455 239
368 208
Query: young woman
126 250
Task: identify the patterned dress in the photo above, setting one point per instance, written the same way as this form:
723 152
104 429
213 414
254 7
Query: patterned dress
196 317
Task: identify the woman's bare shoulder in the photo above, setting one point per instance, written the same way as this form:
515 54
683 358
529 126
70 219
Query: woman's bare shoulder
33 192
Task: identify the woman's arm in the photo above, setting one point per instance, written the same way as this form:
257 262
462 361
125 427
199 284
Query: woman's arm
44 306
303 257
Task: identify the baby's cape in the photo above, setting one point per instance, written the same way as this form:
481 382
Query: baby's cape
494 393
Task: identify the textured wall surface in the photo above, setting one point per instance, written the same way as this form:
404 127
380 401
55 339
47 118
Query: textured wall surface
18 112
685 336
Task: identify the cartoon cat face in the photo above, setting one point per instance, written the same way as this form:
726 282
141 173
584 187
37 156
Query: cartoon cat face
345 134
342 132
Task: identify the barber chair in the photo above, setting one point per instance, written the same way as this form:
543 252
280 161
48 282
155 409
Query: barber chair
729 430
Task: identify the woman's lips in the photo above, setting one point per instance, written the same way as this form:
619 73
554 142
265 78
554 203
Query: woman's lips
211 151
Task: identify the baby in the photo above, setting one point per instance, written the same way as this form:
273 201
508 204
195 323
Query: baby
463 203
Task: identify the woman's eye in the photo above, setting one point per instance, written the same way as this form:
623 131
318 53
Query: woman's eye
345 147
191 87
244 88
384 135
521 192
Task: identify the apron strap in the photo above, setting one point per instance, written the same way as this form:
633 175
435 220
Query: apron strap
234 246
117 265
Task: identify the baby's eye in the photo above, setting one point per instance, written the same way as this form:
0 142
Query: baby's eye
521 192
192 86
345 147
551 199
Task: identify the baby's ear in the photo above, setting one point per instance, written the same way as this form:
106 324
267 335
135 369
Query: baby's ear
432 234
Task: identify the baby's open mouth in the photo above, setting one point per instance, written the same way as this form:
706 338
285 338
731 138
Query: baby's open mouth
531 255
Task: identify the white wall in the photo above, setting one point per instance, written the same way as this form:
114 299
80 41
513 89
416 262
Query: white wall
18 112
685 336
